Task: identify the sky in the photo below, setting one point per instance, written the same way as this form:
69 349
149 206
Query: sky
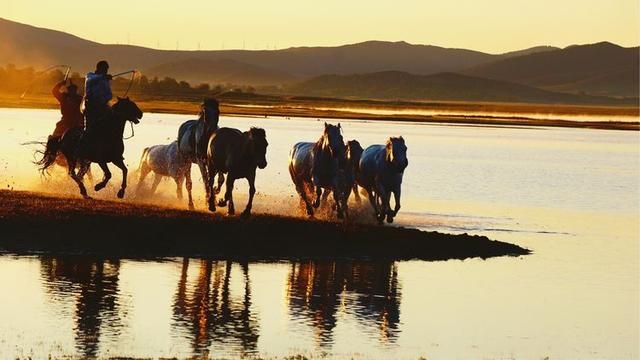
492 26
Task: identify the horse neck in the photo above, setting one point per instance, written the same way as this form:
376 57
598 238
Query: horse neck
247 152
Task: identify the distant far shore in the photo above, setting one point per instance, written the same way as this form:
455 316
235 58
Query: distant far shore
457 113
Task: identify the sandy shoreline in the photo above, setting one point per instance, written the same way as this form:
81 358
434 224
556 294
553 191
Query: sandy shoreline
316 108
34 223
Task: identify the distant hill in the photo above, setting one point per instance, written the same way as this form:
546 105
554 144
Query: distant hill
222 71
599 69
28 45
444 86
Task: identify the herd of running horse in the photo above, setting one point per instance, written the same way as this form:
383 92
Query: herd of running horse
317 169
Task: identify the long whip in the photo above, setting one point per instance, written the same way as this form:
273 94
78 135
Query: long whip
42 73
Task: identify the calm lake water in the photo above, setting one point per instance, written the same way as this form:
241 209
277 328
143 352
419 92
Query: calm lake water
570 195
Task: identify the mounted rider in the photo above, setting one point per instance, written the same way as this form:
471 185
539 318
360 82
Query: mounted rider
97 95
66 92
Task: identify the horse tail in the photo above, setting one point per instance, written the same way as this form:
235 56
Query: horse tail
145 152
49 154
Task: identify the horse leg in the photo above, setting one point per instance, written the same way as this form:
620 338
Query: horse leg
218 188
107 175
211 195
396 198
339 203
125 173
205 177
316 204
356 194
189 186
144 171
303 195
156 181
384 198
251 179
179 180
71 170
228 195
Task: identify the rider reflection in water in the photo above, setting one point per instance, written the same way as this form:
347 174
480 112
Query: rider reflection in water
97 95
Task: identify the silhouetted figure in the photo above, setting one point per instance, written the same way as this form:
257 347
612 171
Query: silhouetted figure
97 95
70 102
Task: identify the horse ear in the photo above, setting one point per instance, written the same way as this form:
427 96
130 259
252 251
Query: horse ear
127 98
119 98
339 126
326 125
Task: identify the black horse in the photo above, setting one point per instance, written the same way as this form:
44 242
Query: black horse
102 145
380 173
193 137
237 154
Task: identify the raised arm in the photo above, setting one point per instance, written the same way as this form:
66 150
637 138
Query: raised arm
56 90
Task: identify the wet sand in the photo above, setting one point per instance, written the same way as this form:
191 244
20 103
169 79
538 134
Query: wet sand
37 223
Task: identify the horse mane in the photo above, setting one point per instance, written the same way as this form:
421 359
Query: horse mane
257 132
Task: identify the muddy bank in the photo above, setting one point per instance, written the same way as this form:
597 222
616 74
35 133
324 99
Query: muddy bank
36 223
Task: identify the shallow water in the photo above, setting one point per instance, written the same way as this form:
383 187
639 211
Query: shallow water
570 195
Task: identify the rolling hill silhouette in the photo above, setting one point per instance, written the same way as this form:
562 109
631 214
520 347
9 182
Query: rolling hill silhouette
443 86
599 69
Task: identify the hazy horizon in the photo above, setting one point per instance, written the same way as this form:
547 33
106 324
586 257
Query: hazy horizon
493 27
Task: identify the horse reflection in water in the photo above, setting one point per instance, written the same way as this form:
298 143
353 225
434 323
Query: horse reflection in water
93 285
207 310
319 290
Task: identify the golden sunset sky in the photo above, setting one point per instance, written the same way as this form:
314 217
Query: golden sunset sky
492 26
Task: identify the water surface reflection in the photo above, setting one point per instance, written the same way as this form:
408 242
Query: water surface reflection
206 309
93 285
318 290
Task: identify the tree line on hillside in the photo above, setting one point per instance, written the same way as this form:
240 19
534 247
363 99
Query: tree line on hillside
17 80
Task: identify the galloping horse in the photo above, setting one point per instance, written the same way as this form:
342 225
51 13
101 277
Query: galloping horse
102 145
193 137
317 166
237 154
347 175
165 160
380 173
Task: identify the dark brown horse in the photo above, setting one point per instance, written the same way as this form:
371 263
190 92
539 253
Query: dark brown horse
193 136
103 145
317 166
236 154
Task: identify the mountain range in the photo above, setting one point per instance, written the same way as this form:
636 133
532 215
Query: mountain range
414 71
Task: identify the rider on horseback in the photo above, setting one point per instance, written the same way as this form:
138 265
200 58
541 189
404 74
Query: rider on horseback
72 117
97 95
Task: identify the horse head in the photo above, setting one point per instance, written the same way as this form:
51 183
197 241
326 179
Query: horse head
332 140
396 153
258 142
354 152
127 110
210 113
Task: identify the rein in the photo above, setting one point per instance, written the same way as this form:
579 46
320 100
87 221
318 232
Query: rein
42 73
133 76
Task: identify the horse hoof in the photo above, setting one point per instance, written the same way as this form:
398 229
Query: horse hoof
231 213
245 214
121 194
191 207
99 187
212 208
390 219
222 203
